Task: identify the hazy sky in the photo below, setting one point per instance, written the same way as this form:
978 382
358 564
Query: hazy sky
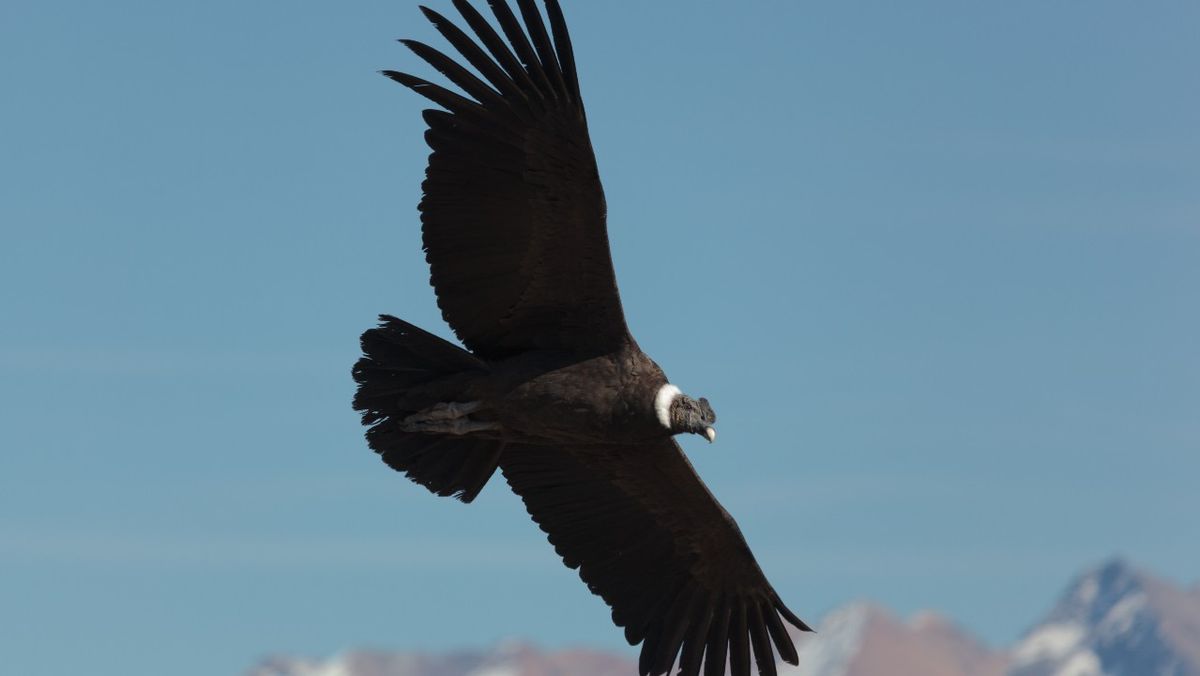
934 263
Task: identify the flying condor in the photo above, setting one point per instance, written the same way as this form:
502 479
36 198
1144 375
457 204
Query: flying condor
552 389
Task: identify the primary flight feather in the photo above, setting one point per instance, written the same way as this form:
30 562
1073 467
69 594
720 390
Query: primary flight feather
552 389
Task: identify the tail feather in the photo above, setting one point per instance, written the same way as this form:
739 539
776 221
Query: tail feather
403 370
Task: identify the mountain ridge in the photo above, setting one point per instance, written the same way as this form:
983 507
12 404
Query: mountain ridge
1113 619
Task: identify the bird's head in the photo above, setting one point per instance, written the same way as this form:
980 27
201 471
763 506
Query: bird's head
680 413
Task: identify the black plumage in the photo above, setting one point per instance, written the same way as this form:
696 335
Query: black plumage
552 389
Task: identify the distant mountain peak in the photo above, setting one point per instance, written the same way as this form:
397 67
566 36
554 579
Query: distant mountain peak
1092 594
864 639
840 637
1115 620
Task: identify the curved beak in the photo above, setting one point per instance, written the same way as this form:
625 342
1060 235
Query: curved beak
710 434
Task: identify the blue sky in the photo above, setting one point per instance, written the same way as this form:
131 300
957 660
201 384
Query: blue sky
934 263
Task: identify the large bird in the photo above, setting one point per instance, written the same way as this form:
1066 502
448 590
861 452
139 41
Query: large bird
551 387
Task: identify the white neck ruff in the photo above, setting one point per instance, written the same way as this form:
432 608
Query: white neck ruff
662 403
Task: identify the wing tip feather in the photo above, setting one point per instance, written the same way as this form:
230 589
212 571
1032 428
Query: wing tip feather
788 614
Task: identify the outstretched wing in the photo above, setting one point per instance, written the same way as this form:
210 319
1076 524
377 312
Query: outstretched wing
648 537
513 215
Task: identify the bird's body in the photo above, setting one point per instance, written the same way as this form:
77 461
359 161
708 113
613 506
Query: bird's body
552 389
607 399
549 397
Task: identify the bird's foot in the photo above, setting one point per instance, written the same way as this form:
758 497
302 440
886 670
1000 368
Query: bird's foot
447 418
457 427
452 410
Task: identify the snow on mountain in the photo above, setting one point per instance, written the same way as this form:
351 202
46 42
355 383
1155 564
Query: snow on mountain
1115 620
829 651
1112 620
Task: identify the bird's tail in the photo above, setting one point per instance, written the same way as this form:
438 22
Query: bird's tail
405 370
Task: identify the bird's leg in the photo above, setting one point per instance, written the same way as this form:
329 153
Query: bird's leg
445 411
447 418
457 427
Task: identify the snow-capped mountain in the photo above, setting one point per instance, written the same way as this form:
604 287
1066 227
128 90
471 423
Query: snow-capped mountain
1113 620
